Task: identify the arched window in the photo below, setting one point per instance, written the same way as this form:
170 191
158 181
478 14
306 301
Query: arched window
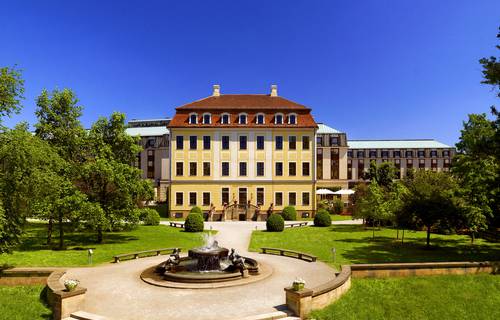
207 118
278 118
224 118
260 118
242 118
193 118
292 118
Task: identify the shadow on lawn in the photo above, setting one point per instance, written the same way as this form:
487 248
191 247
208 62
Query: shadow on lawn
36 238
387 250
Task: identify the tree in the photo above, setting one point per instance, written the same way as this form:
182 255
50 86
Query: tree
11 91
384 174
107 177
432 199
373 206
491 69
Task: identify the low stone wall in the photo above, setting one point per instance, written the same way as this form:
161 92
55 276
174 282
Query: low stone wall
384 270
24 276
62 302
302 302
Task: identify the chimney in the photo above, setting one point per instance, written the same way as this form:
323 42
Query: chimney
274 90
216 91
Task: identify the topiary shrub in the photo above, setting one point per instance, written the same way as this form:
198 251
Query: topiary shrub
275 223
322 219
289 213
194 223
196 209
150 217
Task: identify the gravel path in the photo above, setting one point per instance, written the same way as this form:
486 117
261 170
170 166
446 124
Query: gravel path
117 292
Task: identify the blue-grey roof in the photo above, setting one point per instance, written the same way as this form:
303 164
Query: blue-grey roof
147 131
324 129
396 144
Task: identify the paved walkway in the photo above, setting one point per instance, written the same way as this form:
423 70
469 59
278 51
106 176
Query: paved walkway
117 292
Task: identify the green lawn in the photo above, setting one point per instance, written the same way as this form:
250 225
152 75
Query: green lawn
23 302
354 244
33 251
430 297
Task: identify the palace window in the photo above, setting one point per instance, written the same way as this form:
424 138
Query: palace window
225 169
179 169
179 198
434 164
260 169
193 142
335 163
305 198
292 118
260 142
192 198
305 169
446 153
279 169
278 118
225 142
243 169
421 163
278 198
224 118
292 198
206 198
279 143
193 118
421 153
409 154
349 169
206 142
243 142
434 153
360 154
151 164
319 164
260 196
179 142
396 154
292 169
260 118
225 196
292 142
373 153
305 142
334 140
361 169
349 153
319 141
192 168
409 163
385 154
207 118
242 118
206 169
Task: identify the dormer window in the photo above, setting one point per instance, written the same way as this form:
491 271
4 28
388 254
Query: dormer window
278 118
193 118
207 118
224 119
260 118
292 118
242 118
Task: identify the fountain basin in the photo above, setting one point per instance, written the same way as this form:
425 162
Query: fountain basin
208 260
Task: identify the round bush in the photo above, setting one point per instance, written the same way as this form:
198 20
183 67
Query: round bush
289 213
194 223
322 219
150 217
196 209
275 223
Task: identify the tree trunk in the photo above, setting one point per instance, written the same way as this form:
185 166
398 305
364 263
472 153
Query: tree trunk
397 234
99 235
472 237
373 229
403 237
49 231
428 236
61 232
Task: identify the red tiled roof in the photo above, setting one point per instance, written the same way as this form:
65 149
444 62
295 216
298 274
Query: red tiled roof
250 104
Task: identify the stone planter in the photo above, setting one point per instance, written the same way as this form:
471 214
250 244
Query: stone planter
71 285
297 286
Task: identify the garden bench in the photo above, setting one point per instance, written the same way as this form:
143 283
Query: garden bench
289 253
138 254
177 224
296 224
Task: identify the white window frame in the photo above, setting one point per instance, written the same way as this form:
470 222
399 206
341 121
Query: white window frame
263 118
193 114
209 118
292 114
276 118
228 118
302 198
239 117
264 195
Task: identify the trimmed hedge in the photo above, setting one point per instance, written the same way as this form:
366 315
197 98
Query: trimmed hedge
196 209
194 223
289 213
275 223
322 219
150 217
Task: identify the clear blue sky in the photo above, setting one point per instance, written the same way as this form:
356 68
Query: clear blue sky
374 69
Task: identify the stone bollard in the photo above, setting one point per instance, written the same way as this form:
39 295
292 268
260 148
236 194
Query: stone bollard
299 302
244 273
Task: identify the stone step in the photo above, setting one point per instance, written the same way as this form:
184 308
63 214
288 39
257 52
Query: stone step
83 315
270 316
